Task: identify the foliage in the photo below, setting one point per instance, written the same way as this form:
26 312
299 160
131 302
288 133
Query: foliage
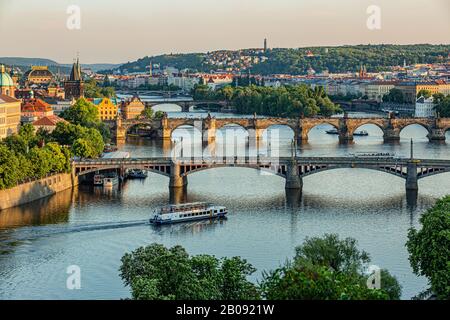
424 93
315 282
442 104
429 248
147 113
296 61
159 115
395 96
157 272
92 90
330 251
85 114
286 101
25 156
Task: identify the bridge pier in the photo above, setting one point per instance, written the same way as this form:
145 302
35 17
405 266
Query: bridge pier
176 179
345 137
436 134
293 179
391 135
411 177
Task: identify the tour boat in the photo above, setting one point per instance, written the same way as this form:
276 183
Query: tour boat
187 212
332 131
111 181
137 174
363 133
375 155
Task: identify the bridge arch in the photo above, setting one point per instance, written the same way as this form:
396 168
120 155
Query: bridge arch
307 131
283 132
167 107
388 170
406 131
277 172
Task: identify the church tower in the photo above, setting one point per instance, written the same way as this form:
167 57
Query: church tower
74 87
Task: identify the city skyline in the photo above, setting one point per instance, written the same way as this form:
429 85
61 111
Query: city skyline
128 31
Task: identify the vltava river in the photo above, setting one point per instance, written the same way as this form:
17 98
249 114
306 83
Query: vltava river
93 228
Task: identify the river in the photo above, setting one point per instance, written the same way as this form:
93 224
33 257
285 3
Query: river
93 228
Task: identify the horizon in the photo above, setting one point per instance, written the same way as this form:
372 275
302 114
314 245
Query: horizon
121 32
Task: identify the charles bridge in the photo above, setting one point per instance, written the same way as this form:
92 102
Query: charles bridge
345 126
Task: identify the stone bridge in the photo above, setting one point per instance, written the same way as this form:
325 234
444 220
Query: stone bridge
290 168
187 104
346 127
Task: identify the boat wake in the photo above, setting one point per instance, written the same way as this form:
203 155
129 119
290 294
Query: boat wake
33 233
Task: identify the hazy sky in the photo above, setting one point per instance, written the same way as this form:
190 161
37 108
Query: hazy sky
123 30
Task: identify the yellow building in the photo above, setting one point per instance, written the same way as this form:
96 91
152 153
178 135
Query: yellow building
132 109
411 89
9 116
107 107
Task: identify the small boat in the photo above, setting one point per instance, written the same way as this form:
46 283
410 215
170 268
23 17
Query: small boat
98 179
109 148
362 133
110 181
332 131
187 212
137 174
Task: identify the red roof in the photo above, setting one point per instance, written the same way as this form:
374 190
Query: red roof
48 121
36 105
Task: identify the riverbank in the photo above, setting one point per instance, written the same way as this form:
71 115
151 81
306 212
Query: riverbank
35 190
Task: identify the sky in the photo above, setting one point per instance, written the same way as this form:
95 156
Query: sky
117 31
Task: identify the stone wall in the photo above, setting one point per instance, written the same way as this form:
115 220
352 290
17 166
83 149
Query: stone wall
35 190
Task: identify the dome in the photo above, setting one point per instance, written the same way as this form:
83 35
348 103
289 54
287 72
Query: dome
5 79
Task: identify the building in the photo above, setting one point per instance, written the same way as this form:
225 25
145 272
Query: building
410 90
39 75
74 87
425 108
9 115
35 109
47 123
132 109
107 107
7 86
377 89
184 82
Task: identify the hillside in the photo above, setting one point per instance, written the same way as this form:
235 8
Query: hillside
298 61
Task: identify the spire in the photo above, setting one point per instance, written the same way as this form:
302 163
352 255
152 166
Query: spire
75 74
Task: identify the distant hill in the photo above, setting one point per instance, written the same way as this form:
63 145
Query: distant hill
25 63
301 60
17 61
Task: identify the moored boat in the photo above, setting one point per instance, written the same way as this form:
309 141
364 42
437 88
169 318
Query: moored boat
362 133
137 174
110 181
332 131
187 212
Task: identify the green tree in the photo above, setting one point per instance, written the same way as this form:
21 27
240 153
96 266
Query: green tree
395 96
429 248
442 105
83 149
315 282
147 113
9 168
424 93
157 272
159 115
82 112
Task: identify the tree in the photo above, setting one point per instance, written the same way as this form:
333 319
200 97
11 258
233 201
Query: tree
395 96
429 248
442 105
83 149
157 272
82 112
159 115
330 251
9 168
147 113
424 93
315 282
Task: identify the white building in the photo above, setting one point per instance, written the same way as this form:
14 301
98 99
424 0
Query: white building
425 108
186 83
